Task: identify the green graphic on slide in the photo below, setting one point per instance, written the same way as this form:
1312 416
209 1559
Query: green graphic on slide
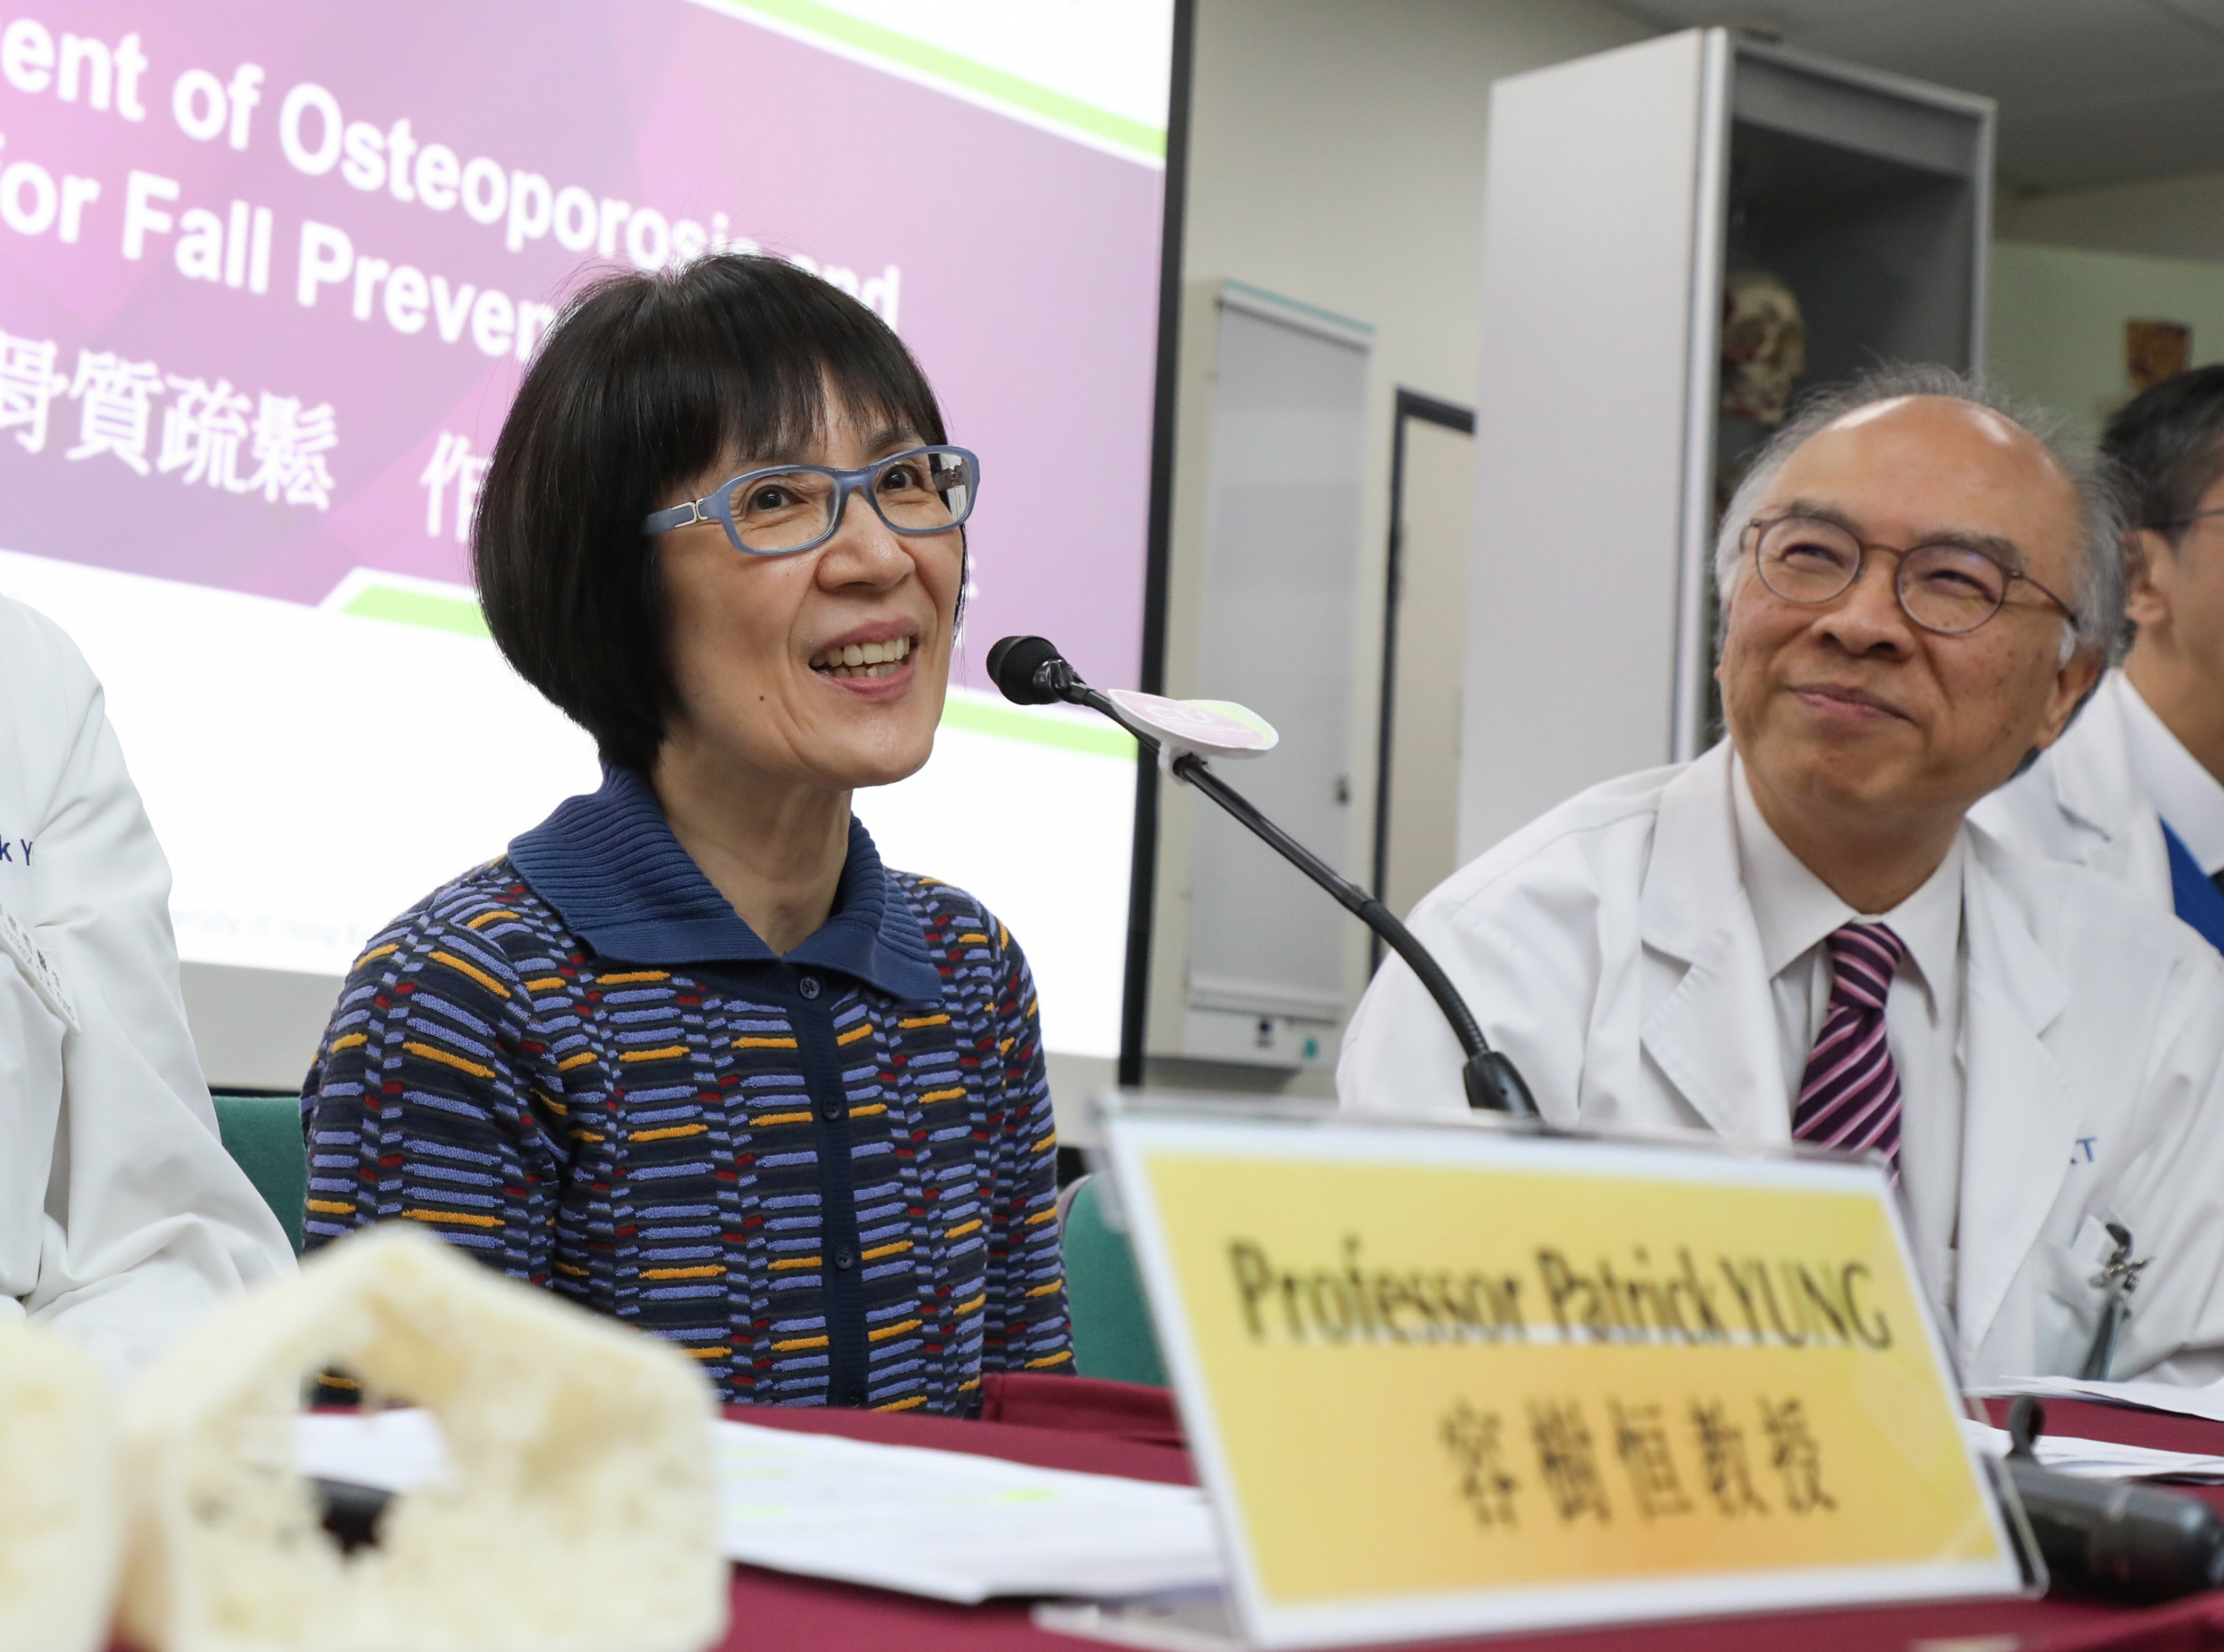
840 29
1099 739
428 608
438 611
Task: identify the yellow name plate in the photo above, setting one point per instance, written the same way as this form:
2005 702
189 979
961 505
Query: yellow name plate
1451 1379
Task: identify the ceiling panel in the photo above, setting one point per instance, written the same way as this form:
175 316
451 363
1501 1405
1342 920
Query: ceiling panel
2160 136
2032 49
2209 14
2091 91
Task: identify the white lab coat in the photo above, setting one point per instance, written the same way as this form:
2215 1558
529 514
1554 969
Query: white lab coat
122 1217
2082 802
1609 949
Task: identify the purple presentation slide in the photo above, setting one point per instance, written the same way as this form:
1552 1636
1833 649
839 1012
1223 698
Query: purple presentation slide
269 274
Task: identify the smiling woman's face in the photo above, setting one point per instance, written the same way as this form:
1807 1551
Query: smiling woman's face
772 657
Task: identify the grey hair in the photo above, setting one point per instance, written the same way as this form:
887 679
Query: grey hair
2100 597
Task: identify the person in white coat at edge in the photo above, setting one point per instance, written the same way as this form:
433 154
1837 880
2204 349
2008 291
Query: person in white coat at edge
1798 934
122 1217
2135 789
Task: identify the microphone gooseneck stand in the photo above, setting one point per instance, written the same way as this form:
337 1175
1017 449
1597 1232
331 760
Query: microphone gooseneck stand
2113 1539
1031 671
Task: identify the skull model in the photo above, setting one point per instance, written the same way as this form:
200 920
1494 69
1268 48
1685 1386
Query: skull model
1763 345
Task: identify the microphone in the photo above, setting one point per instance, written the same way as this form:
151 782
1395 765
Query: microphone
1030 671
2108 1536
1016 663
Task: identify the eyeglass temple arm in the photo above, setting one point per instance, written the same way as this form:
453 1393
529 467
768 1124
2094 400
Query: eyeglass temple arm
678 517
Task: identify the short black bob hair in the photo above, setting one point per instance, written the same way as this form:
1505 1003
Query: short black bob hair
2167 444
643 381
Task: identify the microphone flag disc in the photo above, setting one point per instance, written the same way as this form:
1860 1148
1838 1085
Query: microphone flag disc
1210 727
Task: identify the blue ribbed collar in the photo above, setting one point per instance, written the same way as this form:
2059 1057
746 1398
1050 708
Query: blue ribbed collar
610 867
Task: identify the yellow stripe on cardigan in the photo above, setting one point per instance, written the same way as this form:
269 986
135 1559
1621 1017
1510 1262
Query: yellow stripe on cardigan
690 1273
786 1263
879 1250
973 1306
665 1054
796 1342
374 956
348 1043
707 1353
579 1060
326 1207
1052 1359
455 1216
897 1329
486 918
782 1119
963 1228
911 1404
923 1021
868 1110
473 971
764 1044
668 1133
1051 1289
545 984
863 1030
932 1096
446 1060
633 977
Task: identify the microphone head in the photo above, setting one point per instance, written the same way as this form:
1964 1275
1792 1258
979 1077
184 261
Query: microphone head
1013 664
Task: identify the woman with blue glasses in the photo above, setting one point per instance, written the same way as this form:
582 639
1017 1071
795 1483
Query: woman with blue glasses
688 1053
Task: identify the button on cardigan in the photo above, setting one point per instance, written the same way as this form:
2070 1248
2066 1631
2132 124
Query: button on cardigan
829 1176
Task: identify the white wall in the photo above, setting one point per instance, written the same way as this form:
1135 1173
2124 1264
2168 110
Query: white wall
2056 332
1336 158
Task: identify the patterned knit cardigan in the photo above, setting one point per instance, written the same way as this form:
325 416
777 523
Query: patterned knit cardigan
825 1193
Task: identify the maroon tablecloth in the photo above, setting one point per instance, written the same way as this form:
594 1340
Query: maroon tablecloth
1116 1429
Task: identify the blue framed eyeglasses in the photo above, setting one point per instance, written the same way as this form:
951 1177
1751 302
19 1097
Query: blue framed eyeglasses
793 507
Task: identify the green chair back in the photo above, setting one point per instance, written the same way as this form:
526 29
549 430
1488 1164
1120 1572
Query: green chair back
1112 1334
263 1133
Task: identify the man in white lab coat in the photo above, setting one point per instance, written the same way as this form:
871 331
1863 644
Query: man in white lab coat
2135 788
122 1217
1798 934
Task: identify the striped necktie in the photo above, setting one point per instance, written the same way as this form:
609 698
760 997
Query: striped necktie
1849 1098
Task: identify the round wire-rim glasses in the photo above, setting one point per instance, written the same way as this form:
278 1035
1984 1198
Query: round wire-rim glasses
789 508
1945 588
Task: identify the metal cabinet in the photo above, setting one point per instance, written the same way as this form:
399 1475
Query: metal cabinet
1620 189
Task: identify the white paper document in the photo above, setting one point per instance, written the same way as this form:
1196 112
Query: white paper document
2101 1459
941 1523
2207 1403
952 1526
395 1451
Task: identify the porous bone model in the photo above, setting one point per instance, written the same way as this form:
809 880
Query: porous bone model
578 1513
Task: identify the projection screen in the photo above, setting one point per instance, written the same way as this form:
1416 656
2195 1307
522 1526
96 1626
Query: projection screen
268 277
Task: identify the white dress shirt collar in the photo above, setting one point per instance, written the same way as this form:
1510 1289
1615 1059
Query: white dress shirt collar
1796 911
2183 792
